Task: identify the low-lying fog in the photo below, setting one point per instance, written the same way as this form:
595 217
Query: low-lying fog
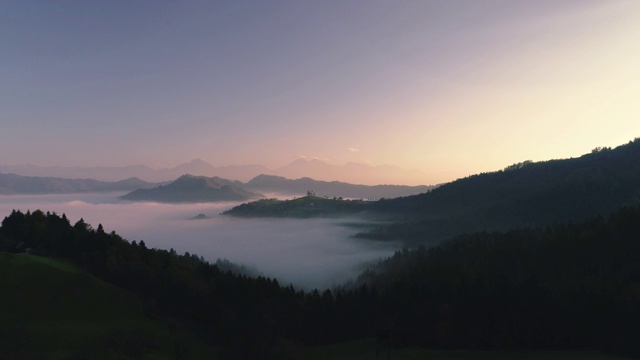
306 252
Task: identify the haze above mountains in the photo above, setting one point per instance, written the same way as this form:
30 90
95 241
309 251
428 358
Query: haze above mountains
354 173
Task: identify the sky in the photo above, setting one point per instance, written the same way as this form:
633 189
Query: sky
449 87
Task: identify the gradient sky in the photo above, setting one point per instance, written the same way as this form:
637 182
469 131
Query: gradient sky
451 87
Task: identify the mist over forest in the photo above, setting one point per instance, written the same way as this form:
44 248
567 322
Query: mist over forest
310 253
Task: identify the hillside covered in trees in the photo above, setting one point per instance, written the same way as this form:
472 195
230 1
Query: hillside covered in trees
574 286
303 207
521 195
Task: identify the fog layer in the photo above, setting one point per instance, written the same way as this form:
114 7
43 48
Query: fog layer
306 252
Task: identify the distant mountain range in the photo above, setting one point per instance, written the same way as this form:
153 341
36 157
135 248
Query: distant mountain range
115 173
278 184
353 173
17 184
190 189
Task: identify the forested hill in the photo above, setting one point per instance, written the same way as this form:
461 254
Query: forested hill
524 194
189 189
575 285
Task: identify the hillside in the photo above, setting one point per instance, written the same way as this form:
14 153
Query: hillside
194 189
303 207
234 312
521 195
17 184
546 287
271 183
53 309
563 287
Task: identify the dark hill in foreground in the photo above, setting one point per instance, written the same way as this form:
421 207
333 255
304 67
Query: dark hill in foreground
560 287
189 189
51 308
557 285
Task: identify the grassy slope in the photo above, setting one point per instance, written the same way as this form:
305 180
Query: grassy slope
366 349
51 309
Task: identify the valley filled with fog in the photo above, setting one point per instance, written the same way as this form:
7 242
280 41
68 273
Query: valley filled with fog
309 253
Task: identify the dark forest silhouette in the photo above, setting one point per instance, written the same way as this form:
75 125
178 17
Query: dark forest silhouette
572 286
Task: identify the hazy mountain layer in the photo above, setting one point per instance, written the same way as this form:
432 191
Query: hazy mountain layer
351 172
192 189
112 173
17 184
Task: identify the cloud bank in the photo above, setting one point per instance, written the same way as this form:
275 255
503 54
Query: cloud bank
310 253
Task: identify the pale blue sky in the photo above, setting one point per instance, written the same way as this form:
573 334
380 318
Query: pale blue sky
449 87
